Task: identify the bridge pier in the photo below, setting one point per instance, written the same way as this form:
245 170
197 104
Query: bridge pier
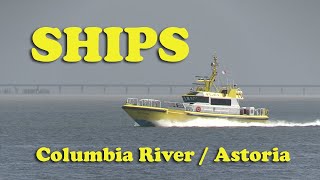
16 90
171 90
148 90
82 89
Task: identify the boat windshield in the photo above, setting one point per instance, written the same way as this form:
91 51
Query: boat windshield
194 99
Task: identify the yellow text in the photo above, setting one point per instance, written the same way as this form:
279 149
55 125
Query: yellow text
49 49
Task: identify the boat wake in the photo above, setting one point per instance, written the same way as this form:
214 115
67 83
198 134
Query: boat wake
200 122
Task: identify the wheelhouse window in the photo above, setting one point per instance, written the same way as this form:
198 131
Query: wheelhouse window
221 102
194 99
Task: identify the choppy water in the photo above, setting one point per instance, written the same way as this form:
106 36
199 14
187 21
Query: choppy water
94 122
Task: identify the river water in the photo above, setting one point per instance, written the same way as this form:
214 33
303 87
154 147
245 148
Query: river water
94 122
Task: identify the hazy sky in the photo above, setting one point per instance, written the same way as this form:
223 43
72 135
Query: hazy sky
257 41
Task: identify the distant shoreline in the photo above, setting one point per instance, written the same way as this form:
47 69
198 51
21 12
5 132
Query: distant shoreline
152 96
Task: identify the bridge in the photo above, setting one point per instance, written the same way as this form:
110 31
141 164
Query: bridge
257 89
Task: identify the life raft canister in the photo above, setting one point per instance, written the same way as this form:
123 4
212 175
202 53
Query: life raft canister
198 108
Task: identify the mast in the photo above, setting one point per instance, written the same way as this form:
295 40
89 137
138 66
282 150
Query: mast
205 84
213 76
209 82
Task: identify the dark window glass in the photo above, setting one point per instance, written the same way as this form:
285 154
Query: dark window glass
194 99
221 102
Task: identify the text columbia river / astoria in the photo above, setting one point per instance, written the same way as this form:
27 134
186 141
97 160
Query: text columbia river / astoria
148 154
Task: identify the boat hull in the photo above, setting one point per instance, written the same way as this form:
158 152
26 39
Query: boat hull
153 116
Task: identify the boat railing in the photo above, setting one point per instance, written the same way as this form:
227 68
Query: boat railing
150 102
254 111
156 103
132 101
144 102
175 105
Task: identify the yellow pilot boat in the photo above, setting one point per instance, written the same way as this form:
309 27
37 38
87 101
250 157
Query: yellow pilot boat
222 102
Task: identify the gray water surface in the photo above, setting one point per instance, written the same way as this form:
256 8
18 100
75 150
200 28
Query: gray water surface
94 122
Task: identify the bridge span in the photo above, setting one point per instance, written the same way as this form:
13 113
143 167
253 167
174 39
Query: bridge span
256 89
